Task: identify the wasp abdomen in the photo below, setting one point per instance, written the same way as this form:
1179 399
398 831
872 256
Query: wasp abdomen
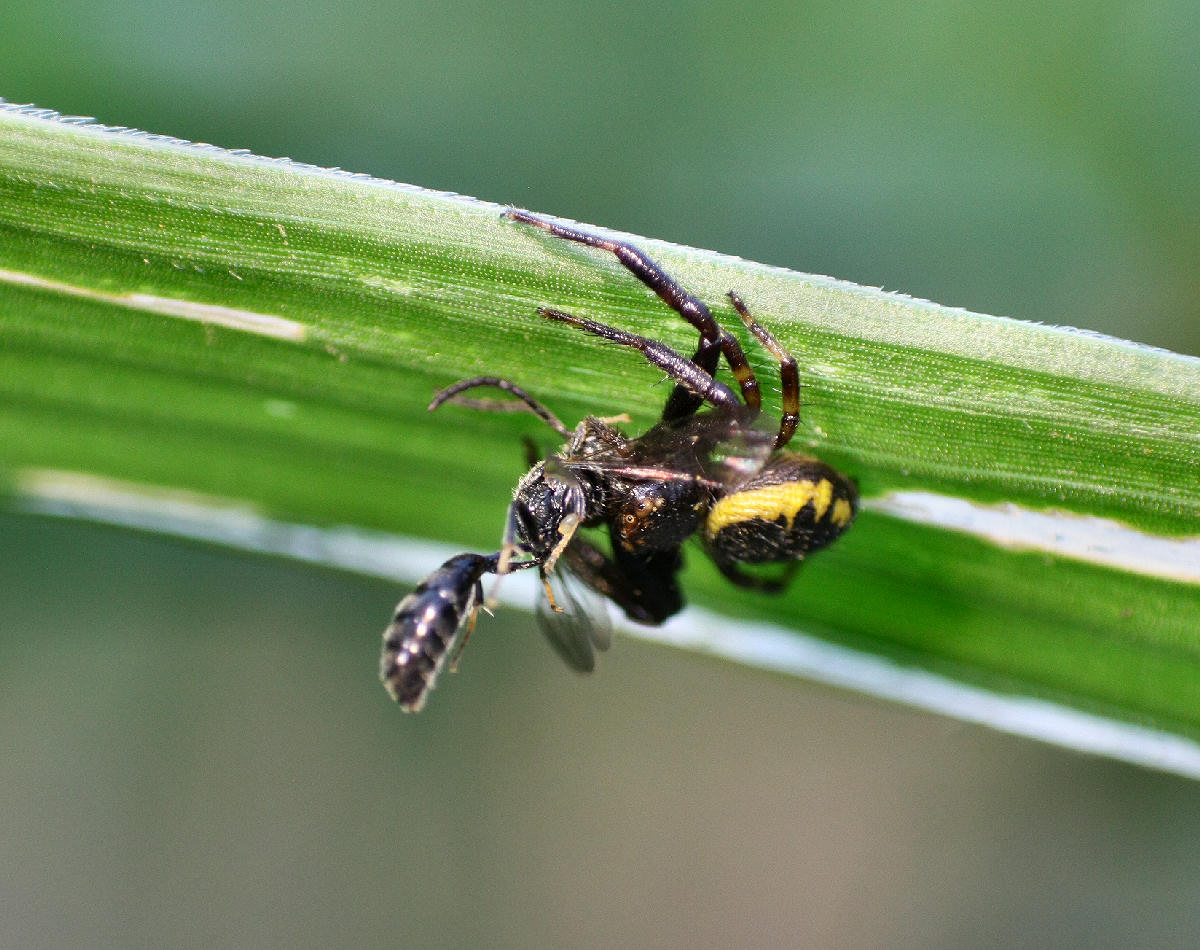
794 506
426 622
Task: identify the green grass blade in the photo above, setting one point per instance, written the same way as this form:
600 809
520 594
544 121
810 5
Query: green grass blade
180 316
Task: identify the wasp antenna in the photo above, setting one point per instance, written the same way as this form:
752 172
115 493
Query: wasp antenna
532 404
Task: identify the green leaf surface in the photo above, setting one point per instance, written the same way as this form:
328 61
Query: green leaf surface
179 316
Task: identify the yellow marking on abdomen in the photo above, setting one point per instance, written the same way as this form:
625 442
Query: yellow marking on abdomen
841 513
772 501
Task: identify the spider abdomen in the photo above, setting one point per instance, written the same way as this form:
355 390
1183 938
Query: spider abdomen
794 506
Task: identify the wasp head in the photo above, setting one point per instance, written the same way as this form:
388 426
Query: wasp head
545 511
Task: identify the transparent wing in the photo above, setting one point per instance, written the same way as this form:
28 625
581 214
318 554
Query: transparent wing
716 448
740 455
580 626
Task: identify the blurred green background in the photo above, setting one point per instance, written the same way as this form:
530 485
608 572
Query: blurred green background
195 749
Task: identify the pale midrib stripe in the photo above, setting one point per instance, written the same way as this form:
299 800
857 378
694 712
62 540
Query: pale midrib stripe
261 323
1086 538
407 561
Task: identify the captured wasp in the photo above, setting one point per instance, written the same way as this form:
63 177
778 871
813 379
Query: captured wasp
694 471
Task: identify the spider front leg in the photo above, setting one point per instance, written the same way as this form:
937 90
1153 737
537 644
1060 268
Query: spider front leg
699 384
683 402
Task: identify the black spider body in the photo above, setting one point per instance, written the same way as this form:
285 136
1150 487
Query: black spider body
703 471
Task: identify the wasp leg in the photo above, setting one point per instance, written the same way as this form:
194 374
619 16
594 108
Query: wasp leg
789 375
714 341
686 373
642 585
469 629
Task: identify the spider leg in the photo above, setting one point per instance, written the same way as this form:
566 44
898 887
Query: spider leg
789 375
688 375
768 585
643 586
714 341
